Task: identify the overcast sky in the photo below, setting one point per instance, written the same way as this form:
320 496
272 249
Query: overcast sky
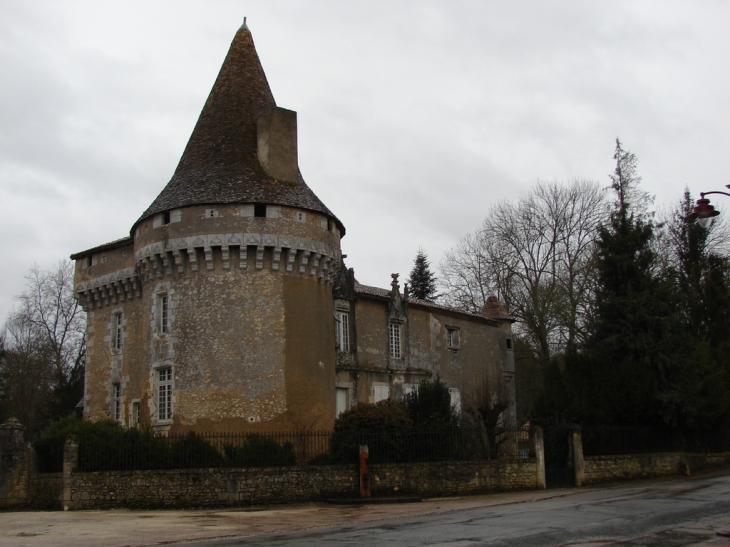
414 117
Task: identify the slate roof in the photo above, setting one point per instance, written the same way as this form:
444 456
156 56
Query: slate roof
220 163
116 244
489 314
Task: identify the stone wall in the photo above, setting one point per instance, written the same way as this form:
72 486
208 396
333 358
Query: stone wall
261 486
600 469
453 478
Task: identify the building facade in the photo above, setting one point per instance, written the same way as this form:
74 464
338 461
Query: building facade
229 306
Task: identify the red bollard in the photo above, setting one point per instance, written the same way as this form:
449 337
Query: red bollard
364 473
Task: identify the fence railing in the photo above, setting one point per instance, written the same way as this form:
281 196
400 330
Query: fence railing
634 440
137 450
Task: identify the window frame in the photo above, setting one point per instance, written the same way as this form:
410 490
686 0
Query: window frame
453 338
380 387
342 330
395 340
163 310
455 398
135 412
118 331
117 402
346 392
164 394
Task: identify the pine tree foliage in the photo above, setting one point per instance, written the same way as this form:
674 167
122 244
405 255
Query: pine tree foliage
422 281
633 364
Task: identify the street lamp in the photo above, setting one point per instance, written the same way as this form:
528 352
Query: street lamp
703 211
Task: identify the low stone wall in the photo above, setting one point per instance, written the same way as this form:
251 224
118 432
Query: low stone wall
183 488
46 491
453 478
261 486
600 469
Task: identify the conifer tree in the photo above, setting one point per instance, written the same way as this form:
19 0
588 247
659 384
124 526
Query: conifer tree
632 369
422 282
702 280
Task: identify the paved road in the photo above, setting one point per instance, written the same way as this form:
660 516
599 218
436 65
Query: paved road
672 513
661 513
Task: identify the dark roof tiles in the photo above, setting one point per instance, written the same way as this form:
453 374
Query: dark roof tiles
367 290
220 162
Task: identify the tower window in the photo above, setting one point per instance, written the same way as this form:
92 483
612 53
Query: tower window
164 393
117 402
509 343
259 209
162 313
89 261
166 217
118 331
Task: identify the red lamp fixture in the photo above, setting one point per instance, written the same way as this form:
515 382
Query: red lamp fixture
703 212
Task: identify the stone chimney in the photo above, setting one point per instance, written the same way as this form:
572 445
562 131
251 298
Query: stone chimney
277 143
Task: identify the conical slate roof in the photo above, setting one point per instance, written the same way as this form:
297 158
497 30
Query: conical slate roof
220 162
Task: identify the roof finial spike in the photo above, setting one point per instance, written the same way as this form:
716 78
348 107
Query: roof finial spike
244 26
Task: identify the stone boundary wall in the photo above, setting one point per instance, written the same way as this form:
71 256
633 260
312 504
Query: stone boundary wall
454 478
601 469
187 488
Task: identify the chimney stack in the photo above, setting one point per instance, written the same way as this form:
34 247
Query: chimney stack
277 143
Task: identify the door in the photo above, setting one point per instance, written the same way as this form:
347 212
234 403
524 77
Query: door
559 470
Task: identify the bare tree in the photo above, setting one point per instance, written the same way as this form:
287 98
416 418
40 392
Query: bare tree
25 378
44 349
49 304
536 256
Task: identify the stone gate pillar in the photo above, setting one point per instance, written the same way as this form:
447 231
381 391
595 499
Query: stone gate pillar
538 444
578 462
70 463
16 464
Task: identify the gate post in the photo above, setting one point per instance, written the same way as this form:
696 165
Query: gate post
578 462
70 463
539 446
364 472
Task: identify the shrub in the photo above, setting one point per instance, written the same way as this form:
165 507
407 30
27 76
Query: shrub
383 424
193 452
260 451
429 406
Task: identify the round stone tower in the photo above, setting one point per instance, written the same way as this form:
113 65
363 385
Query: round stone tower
235 260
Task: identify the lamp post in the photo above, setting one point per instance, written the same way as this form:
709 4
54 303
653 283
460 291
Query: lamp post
703 211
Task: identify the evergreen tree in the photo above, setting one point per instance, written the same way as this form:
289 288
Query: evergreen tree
631 372
430 405
702 280
422 282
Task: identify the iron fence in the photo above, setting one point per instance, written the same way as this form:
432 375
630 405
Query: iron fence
634 440
137 450
200 450
433 445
